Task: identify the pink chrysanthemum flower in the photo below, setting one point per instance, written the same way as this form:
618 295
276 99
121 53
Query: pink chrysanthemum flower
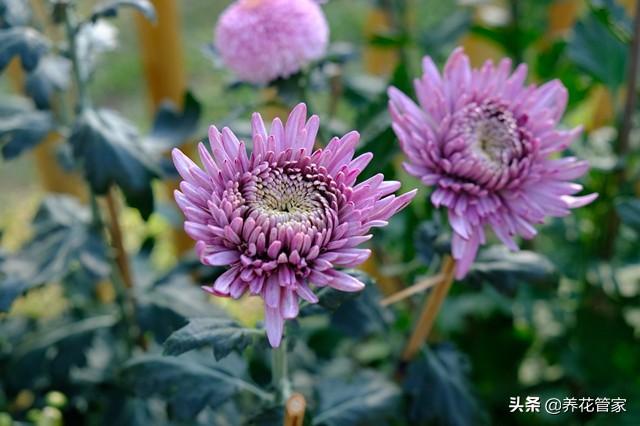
262 40
485 141
283 218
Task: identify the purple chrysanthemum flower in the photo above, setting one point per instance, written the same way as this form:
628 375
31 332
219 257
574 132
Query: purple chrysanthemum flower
485 141
283 218
262 40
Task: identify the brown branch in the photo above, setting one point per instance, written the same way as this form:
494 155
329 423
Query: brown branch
410 291
117 242
430 310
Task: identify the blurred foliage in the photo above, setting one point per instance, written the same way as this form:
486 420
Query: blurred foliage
560 318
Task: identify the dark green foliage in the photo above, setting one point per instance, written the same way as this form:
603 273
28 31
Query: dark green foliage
221 334
64 238
364 399
504 269
171 127
26 43
22 128
629 211
597 51
50 76
13 13
439 388
110 8
558 318
186 385
48 356
362 315
112 153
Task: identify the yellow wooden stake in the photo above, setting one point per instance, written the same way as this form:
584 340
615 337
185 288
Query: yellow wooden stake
294 410
430 310
163 62
378 60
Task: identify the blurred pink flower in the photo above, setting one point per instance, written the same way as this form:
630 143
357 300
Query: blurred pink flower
285 216
262 40
486 143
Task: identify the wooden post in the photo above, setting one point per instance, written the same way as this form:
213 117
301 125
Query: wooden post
430 310
294 410
163 62
378 60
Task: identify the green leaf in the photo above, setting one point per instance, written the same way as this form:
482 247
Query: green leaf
187 386
113 153
172 127
14 13
50 76
25 42
356 314
367 398
505 269
629 211
269 416
438 385
596 50
166 303
53 351
110 9
22 128
446 32
362 315
427 240
64 238
389 39
222 334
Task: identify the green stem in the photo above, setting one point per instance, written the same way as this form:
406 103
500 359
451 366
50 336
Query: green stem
279 372
71 29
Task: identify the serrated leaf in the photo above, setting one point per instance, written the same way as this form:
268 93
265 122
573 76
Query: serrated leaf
112 153
367 398
110 9
172 127
437 381
186 385
54 350
629 211
24 42
221 334
14 13
425 240
595 49
505 269
328 300
63 238
166 304
50 76
362 315
23 129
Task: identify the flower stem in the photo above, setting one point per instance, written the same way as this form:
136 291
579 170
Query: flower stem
430 310
71 30
279 372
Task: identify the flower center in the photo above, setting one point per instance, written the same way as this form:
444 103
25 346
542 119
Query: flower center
288 195
492 133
